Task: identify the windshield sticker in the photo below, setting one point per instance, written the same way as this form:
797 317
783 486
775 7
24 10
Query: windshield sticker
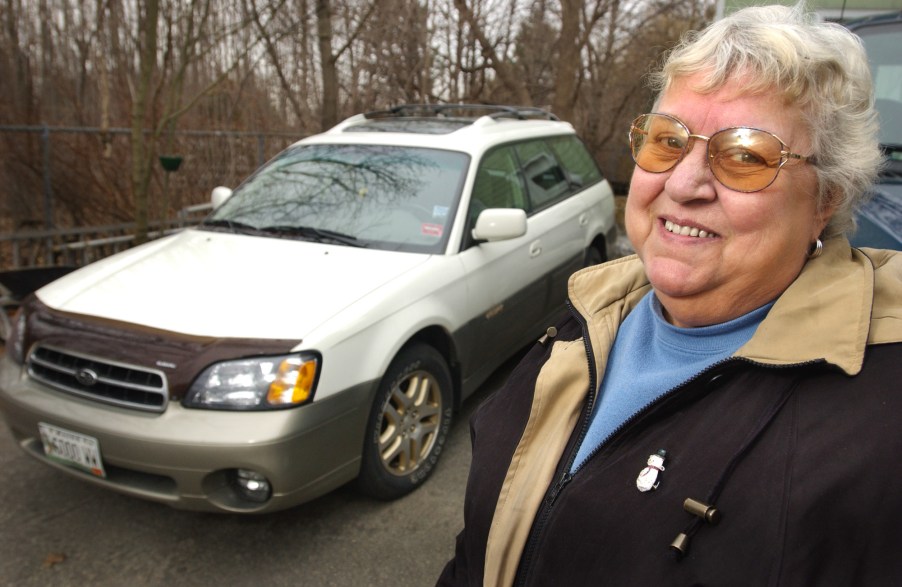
439 211
429 229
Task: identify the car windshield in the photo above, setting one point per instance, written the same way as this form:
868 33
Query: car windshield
375 196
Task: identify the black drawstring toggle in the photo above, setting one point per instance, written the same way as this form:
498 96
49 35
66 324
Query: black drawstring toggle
680 544
708 513
549 334
704 513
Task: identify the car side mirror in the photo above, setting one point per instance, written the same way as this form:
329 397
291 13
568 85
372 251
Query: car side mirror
498 224
220 195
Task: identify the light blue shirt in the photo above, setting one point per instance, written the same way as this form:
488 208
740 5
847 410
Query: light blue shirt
650 357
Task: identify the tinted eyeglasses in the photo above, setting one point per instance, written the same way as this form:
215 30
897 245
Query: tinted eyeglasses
741 158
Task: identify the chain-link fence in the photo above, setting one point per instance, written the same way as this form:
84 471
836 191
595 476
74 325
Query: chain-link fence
66 192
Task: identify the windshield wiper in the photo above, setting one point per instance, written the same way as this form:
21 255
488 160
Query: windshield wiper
232 225
320 235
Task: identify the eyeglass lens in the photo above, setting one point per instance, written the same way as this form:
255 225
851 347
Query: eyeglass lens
742 159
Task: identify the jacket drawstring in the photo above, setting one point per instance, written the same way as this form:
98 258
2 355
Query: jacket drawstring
704 512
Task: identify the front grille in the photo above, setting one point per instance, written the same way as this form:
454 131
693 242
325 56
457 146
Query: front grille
99 379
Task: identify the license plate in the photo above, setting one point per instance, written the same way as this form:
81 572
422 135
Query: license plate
72 448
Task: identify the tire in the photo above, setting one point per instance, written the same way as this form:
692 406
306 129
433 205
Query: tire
408 424
593 256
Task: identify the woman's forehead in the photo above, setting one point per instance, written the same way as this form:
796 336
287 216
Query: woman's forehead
731 105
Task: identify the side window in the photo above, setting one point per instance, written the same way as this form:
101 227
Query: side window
578 163
545 180
497 184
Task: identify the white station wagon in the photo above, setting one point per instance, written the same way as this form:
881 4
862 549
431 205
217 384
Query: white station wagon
323 323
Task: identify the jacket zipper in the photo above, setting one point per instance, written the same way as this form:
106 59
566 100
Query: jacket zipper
564 477
563 473
651 406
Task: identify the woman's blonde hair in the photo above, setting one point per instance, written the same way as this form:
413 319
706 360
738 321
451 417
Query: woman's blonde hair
820 67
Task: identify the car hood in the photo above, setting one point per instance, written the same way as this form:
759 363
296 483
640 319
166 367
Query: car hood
226 285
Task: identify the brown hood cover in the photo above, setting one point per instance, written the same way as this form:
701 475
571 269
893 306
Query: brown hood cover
182 357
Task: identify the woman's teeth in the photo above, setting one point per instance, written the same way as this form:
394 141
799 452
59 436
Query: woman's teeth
687 230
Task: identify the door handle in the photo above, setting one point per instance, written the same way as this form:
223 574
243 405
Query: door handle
535 248
583 219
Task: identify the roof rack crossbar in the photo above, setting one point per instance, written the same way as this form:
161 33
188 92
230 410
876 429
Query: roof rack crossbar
442 110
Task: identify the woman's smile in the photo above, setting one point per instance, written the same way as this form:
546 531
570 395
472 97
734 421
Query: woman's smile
688 229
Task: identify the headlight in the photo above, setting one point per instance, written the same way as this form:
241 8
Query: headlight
15 339
260 383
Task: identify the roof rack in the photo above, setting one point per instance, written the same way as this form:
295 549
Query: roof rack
444 111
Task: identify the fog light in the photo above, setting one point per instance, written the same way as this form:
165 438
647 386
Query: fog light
251 485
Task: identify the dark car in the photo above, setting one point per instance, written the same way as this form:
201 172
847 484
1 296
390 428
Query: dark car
880 220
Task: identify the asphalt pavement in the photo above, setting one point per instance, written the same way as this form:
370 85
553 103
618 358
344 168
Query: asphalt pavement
58 531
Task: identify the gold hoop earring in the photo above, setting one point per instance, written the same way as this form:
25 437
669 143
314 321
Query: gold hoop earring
816 249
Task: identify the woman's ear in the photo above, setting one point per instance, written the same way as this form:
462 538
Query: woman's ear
825 212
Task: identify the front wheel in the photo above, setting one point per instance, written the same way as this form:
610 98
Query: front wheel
408 423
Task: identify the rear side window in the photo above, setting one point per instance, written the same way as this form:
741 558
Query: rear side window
576 160
545 180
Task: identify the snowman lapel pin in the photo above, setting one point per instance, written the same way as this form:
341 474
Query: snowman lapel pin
648 477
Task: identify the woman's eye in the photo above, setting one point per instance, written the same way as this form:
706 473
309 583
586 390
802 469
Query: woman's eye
671 142
750 158
741 157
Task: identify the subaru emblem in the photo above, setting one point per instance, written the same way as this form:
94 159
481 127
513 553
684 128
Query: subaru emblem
86 377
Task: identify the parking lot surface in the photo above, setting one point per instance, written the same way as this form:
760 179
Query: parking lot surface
59 531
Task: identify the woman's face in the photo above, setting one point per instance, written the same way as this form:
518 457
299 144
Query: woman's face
760 240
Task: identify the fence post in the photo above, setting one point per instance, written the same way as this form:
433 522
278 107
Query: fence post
48 191
48 196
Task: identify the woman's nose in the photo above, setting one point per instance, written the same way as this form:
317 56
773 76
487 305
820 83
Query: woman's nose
691 178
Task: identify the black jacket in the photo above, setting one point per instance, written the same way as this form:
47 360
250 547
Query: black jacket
792 441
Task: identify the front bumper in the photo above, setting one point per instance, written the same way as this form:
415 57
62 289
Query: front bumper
182 457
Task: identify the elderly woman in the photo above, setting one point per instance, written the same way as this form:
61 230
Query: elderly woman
722 409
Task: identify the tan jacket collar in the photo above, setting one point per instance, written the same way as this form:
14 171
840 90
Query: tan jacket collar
842 301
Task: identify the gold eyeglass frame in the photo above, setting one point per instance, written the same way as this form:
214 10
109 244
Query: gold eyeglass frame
785 154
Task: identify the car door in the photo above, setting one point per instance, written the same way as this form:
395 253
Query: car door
517 283
558 220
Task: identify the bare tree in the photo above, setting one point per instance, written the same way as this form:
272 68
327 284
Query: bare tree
148 30
329 56
505 69
584 59
329 114
143 72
